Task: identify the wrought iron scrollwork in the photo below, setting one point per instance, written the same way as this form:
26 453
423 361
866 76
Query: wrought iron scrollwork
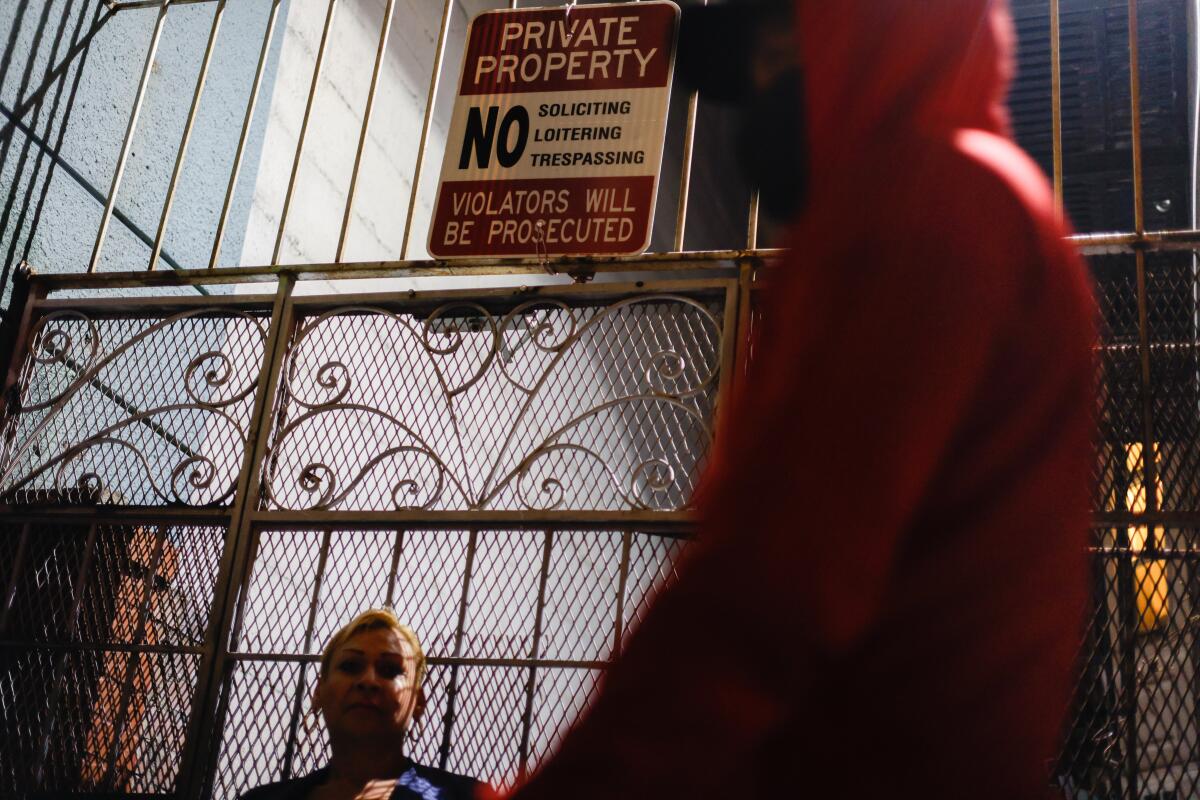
199 440
395 461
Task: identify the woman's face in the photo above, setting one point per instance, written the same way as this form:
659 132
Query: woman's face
369 689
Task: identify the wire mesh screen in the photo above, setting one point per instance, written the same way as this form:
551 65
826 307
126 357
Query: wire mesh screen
1135 732
99 650
594 404
546 405
133 410
1174 378
517 624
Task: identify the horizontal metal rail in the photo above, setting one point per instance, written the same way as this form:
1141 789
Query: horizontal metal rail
669 522
654 262
1148 553
131 5
1158 519
437 661
1090 244
1098 244
114 515
102 647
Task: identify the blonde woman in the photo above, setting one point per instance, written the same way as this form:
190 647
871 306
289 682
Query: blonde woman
369 692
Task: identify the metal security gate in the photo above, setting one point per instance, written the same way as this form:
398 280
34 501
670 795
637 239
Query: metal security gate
194 491
198 491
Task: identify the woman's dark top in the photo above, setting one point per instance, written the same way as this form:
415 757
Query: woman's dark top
418 782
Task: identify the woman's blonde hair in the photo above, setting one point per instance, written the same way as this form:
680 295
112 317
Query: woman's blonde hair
369 620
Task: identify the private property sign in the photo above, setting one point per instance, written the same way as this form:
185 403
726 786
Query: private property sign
557 135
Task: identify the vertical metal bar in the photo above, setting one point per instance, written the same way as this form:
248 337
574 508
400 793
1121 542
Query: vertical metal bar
134 661
429 100
10 589
298 700
181 154
81 582
745 322
362 137
1149 450
452 688
397 549
752 223
1135 102
127 143
19 368
15 327
236 560
685 170
308 106
729 342
622 581
1127 608
535 652
1056 102
251 104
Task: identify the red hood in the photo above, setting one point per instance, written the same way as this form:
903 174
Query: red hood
878 68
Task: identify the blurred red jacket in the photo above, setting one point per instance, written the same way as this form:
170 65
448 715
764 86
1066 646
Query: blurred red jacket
888 588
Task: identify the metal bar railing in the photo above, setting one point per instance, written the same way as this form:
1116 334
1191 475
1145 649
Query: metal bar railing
366 124
34 99
655 262
308 106
430 99
127 142
51 151
185 139
251 105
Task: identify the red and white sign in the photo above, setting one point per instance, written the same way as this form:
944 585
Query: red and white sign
557 135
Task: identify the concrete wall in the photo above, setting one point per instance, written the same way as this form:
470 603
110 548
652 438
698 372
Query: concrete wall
51 174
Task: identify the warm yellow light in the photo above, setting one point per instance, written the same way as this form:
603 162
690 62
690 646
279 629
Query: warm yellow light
1149 575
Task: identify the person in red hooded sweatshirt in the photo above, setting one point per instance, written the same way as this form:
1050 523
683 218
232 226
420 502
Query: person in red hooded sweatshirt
887 590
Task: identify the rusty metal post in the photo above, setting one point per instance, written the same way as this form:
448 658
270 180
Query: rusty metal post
236 559
1056 102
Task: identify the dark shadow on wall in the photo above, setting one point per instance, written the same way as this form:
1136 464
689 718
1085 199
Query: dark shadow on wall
53 93
32 133
48 107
